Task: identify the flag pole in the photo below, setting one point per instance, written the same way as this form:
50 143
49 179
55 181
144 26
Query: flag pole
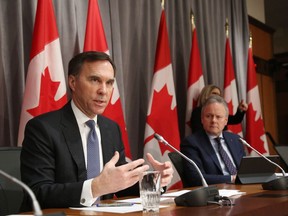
227 28
163 4
250 40
192 20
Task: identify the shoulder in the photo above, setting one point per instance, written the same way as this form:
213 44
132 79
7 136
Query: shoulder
107 123
104 120
231 137
196 138
53 117
230 134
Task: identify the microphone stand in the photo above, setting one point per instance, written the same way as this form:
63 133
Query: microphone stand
36 206
280 183
197 197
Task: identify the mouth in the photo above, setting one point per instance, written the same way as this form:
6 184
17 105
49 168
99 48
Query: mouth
100 102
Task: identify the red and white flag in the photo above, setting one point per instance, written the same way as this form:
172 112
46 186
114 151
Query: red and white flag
230 88
255 132
195 80
95 40
45 88
162 111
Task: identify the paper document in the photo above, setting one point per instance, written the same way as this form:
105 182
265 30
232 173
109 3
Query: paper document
118 209
222 192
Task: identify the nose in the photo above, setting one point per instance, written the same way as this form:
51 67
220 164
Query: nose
213 118
102 88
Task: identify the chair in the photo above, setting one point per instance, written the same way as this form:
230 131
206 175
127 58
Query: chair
282 151
11 194
176 160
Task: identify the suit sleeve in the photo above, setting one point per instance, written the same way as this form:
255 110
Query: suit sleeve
48 169
237 118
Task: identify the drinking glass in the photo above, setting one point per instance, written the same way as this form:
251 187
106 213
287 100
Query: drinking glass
150 191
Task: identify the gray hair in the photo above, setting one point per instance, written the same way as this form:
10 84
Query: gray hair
216 99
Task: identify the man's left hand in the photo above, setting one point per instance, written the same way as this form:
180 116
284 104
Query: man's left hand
165 169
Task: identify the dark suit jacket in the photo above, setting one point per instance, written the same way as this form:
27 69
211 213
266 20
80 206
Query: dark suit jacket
198 148
52 158
196 124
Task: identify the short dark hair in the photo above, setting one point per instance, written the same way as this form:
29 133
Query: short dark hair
216 99
78 60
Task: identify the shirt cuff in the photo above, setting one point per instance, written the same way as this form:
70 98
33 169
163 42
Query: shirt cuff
87 198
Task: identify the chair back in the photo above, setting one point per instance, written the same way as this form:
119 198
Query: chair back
11 194
176 160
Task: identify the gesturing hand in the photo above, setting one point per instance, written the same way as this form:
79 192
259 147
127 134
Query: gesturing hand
113 179
165 169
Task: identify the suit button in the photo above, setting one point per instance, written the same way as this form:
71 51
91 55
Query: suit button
82 201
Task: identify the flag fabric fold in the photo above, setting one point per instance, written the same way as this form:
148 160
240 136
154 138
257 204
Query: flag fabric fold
230 88
255 132
162 111
195 81
95 40
45 88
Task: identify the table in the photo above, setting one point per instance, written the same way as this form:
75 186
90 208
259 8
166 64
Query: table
256 201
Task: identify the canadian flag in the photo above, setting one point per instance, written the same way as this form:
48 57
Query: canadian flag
45 88
95 40
230 89
255 133
195 80
162 111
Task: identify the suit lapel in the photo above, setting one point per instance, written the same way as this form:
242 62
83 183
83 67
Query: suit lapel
106 140
230 141
73 140
210 150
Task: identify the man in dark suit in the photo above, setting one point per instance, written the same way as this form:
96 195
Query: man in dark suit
54 151
217 153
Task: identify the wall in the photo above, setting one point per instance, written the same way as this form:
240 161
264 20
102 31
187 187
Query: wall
256 9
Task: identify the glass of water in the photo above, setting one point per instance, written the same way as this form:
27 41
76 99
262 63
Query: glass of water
150 191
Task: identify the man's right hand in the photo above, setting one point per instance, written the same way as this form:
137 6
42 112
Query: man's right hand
113 179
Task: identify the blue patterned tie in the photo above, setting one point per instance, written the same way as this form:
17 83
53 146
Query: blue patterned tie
93 164
231 168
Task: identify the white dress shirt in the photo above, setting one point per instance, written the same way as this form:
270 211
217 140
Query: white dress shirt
86 195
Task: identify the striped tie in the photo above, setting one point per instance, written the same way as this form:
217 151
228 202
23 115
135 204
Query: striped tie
228 163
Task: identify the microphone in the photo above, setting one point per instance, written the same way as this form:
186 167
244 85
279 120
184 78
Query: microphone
280 183
196 197
36 206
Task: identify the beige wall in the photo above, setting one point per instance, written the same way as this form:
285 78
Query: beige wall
256 9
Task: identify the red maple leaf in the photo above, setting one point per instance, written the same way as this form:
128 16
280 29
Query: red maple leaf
47 93
255 130
162 118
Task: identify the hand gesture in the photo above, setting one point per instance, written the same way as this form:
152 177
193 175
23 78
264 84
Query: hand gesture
113 179
165 169
243 106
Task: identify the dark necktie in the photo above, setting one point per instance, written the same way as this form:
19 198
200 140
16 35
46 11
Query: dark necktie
228 163
93 164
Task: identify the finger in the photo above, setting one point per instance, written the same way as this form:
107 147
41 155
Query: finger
152 161
138 171
167 169
132 165
114 159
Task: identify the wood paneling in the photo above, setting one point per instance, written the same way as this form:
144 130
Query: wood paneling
263 48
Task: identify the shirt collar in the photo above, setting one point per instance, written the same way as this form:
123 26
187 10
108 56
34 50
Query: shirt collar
80 116
212 137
